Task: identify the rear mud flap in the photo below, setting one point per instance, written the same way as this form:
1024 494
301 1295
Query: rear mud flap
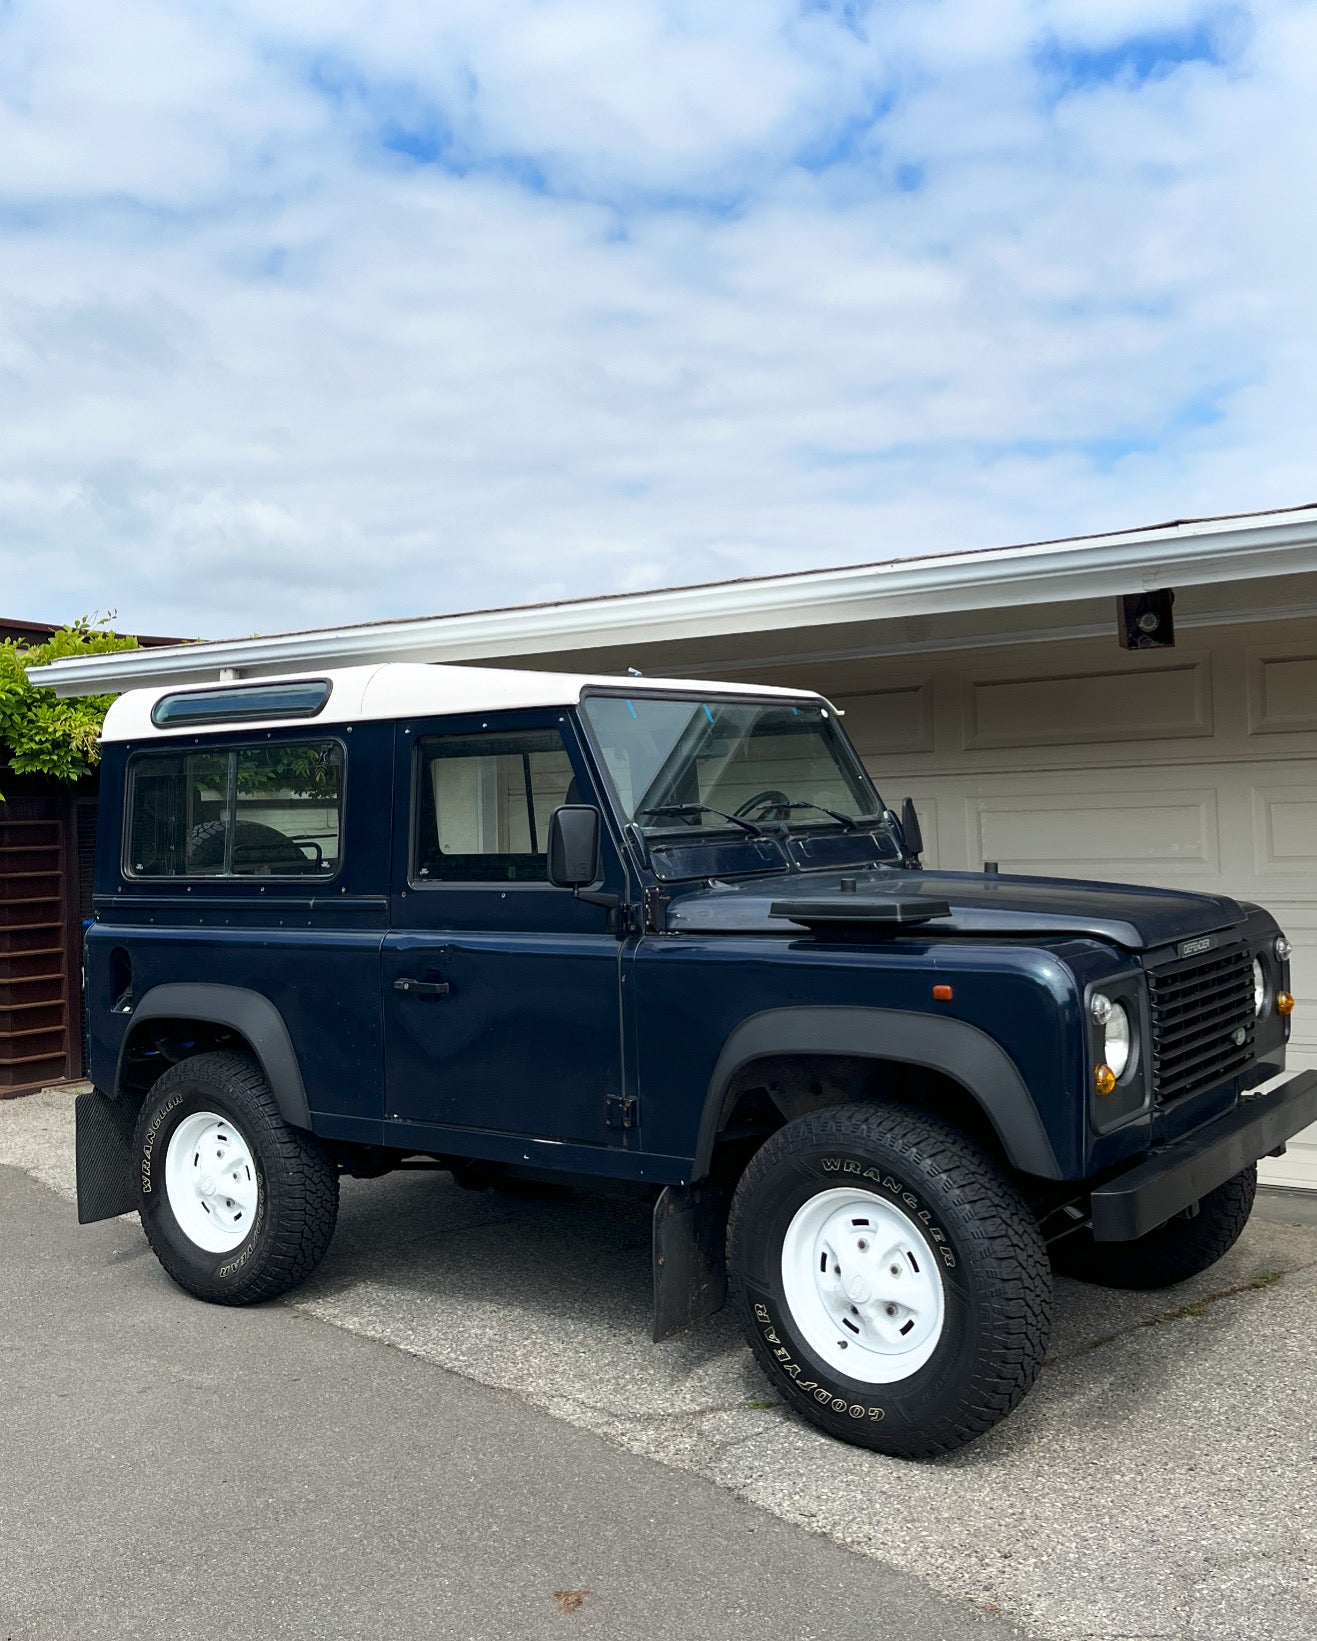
690 1262
107 1185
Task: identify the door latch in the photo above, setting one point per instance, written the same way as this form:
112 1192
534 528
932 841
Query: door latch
422 988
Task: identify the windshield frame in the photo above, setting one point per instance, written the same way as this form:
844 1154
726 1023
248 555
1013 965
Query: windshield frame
780 833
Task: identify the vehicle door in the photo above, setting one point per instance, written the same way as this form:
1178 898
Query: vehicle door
501 991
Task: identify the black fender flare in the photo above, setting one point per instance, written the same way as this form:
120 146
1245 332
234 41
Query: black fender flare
251 1015
960 1051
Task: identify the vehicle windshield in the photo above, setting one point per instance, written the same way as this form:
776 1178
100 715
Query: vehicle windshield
679 765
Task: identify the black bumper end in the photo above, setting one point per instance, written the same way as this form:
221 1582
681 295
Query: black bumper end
1137 1202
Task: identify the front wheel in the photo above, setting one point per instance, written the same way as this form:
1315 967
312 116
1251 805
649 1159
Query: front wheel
1185 1246
890 1280
237 1206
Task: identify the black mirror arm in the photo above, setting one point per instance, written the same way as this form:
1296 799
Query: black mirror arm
612 904
598 897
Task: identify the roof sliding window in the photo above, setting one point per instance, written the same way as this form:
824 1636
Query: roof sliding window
241 703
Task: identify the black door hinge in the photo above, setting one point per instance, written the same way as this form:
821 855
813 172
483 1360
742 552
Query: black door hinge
620 1111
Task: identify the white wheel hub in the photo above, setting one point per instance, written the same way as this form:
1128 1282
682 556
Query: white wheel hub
210 1181
863 1285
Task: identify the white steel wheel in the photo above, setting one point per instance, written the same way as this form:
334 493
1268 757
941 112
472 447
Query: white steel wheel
863 1286
210 1181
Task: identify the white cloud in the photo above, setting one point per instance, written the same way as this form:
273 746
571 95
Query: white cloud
680 292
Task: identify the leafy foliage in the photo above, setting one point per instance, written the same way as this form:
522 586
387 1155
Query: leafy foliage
39 733
295 771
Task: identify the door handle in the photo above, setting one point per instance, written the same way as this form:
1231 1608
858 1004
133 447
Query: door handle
422 988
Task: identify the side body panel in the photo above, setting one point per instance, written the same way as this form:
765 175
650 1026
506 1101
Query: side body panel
310 949
1012 1032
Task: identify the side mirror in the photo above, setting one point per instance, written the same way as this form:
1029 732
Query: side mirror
574 845
914 838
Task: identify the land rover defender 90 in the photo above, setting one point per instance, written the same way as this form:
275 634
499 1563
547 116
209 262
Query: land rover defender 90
664 933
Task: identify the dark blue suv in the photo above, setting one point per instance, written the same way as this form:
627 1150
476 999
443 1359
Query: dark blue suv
528 924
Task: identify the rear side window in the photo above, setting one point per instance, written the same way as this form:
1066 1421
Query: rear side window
483 805
268 811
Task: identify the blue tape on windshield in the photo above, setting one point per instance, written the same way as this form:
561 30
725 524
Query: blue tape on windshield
708 714
631 708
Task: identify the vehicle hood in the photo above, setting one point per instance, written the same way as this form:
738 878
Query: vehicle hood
1000 906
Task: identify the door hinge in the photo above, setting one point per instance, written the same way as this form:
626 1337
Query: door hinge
620 1111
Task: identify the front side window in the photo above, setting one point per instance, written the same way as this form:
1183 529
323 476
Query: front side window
680 764
483 804
268 811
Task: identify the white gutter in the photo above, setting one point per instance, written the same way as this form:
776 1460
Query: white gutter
1192 553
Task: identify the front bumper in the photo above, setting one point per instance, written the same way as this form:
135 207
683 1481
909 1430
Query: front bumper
1151 1192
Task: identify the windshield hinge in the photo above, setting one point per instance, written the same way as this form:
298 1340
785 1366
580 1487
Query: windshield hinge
656 911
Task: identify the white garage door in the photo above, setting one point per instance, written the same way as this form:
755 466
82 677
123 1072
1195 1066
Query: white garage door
1194 767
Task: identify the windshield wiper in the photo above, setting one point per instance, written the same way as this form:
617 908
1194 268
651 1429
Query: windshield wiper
693 811
847 821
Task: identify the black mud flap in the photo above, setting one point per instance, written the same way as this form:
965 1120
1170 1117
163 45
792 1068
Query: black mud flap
107 1185
690 1260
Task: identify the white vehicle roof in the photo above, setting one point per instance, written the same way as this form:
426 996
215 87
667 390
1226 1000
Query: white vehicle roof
402 690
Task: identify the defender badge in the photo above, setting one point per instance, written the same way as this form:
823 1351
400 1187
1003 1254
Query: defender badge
1191 948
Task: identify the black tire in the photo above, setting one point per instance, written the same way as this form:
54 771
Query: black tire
296 1185
983 1242
1173 1252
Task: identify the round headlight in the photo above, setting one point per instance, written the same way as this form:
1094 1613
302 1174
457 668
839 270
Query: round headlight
1119 1036
1100 1008
1282 949
1259 987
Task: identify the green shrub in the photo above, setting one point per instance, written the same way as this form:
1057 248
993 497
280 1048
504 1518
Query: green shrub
39 733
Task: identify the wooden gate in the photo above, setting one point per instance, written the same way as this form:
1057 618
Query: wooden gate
40 944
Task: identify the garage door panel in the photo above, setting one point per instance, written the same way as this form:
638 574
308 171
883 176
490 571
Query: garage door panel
887 721
1298 1167
1103 834
1146 704
1282 693
1285 830
1300 925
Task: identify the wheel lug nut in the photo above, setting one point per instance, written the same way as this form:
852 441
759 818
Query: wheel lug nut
896 1270
891 1310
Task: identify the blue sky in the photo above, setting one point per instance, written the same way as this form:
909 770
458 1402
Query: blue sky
319 312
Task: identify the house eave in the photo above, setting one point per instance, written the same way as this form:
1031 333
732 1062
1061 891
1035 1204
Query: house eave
1190 553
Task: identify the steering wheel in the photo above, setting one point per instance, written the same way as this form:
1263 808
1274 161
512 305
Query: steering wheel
769 798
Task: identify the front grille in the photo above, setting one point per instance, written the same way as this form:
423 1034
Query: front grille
1197 1007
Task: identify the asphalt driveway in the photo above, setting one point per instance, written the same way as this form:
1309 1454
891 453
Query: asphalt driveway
1158 1485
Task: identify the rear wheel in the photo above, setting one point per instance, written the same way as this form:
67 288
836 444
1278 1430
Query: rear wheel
237 1206
1174 1252
890 1280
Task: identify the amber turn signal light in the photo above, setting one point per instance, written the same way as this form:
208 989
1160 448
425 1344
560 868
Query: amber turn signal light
1104 1079
1284 1002
942 994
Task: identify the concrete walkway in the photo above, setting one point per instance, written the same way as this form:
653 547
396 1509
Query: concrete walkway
1158 1485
